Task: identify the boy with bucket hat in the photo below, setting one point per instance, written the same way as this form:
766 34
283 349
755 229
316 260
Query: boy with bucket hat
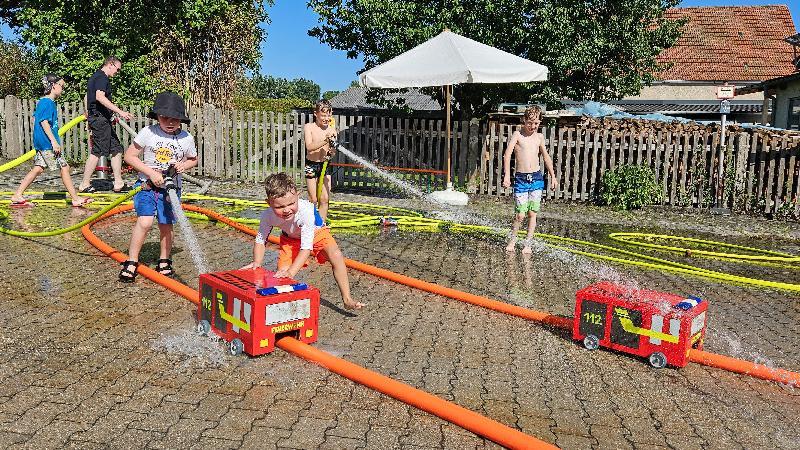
164 147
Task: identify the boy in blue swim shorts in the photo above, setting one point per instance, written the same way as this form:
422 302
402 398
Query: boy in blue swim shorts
162 145
527 145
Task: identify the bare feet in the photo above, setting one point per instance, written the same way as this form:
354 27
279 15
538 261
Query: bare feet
512 245
354 305
17 199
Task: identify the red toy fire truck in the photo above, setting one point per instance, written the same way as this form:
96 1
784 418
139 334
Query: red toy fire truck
659 326
249 309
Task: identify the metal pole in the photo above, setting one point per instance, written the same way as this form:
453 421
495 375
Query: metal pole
449 132
720 166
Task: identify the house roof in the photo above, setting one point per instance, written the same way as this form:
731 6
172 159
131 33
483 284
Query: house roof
730 43
779 82
682 107
356 98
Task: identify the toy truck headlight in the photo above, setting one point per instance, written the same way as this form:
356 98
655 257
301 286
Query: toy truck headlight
697 323
288 311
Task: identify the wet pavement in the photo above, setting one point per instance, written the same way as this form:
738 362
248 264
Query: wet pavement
88 362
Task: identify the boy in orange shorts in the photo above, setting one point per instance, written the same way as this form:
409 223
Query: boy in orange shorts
303 234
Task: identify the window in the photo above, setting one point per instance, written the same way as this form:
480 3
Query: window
793 119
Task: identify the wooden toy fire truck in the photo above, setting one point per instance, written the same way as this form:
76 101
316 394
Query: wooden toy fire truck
249 309
656 325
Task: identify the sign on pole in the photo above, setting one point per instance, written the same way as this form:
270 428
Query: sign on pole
725 91
725 107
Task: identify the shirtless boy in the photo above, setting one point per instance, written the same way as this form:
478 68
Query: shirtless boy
319 136
528 146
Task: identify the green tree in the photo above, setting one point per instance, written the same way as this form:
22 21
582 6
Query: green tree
260 86
327 95
21 75
196 46
305 89
594 49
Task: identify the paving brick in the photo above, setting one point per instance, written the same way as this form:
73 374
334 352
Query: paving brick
235 424
264 438
307 433
183 434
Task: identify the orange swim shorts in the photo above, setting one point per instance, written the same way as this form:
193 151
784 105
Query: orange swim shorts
290 247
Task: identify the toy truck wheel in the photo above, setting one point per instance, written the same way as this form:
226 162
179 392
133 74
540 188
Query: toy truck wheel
658 360
203 327
235 347
591 342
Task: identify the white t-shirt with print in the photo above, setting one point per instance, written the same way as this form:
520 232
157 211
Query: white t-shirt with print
162 149
302 226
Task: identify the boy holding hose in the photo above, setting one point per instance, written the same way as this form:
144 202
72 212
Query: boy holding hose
320 138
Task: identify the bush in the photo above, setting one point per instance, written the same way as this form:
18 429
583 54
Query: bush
278 105
629 187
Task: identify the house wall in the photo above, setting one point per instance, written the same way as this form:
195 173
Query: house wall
782 96
683 91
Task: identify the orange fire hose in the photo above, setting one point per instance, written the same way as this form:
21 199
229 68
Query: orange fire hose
469 420
744 367
701 357
538 316
458 415
174 286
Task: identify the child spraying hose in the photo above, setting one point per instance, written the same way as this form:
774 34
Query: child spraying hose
303 234
47 144
167 152
320 138
528 145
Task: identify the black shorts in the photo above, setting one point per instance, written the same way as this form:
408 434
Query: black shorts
104 140
313 169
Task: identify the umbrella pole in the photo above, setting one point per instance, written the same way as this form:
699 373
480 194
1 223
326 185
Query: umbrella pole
449 133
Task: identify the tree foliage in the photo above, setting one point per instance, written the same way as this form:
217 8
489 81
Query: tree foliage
630 187
207 46
595 49
327 95
260 86
163 44
20 75
278 105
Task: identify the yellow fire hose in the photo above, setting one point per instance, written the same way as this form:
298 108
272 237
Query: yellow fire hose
15 162
85 221
407 219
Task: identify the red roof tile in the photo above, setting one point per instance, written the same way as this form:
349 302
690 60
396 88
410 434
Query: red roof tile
730 43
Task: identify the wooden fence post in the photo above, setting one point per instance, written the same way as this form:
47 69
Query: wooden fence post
474 155
12 141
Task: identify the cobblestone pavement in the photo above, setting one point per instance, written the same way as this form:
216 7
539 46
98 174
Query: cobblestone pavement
91 363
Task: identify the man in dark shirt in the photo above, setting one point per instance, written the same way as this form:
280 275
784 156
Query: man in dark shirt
99 109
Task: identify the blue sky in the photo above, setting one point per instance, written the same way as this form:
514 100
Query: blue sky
289 51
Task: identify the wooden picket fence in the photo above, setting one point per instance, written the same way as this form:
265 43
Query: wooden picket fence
761 170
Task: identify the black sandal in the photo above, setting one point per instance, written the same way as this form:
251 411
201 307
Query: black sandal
126 275
164 267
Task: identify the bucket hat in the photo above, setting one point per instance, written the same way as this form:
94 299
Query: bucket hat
169 104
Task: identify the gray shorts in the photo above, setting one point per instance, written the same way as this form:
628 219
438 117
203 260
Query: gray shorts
48 160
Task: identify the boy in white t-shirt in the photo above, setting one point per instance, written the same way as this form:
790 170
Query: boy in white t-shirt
303 234
164 145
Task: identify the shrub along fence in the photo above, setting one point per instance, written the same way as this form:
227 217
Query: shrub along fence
761 169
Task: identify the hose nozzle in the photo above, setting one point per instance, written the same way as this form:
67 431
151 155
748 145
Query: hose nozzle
169 178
